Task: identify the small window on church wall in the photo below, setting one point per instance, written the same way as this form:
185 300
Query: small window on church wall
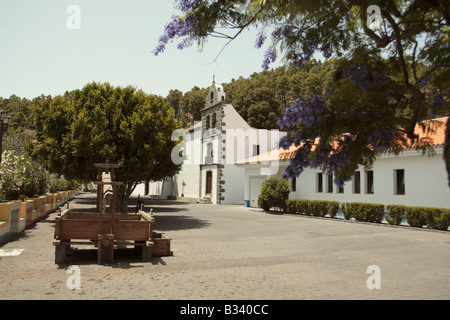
357 182
319 182
212 95
400 181
369 182
330 183
213 123
207 122
209 150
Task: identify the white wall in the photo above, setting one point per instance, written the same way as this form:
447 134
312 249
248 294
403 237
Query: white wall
234 177
254 180
187 181
425 182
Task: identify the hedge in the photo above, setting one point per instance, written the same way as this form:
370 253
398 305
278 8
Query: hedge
333 208
319 208
416 216
302 206
395 214
438 218
367 212
434 218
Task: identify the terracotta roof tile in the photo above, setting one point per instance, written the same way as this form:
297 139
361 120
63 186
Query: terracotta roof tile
436 138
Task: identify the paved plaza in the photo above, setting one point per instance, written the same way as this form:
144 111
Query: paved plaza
233 252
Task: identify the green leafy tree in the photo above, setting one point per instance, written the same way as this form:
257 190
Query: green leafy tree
392 69
174 98
262 115
193 102
255 99
102 122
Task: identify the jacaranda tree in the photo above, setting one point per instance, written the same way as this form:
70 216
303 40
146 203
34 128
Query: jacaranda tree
392 72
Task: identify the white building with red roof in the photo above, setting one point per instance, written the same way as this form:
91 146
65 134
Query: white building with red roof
409 178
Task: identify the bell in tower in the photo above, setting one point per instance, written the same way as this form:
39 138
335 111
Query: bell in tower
215 95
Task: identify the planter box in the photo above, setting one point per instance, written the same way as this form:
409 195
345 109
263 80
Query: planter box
10 218
38 208
42 205
26 211
54 200
59 199
49 203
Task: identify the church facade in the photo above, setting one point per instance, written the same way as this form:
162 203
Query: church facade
210 150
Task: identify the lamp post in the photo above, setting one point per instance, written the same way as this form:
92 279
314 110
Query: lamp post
5 120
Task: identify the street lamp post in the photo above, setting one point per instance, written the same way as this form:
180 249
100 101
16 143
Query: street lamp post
5 120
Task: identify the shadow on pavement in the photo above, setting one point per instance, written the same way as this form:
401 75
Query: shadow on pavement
123 258
168 213
178 222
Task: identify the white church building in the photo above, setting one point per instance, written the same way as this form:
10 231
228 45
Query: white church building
209 151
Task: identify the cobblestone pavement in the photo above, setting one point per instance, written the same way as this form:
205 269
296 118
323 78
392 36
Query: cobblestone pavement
233 252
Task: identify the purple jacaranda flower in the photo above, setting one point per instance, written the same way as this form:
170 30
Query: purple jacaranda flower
177 27
365 79
186 5
382 139
438 100
269 57
260 38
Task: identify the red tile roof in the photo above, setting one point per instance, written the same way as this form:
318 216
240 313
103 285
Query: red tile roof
435 136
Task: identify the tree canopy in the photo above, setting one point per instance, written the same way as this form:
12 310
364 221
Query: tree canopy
392 71
101 122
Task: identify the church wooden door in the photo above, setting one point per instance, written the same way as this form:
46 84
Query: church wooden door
208 182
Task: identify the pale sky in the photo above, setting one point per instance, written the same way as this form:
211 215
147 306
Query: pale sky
41 55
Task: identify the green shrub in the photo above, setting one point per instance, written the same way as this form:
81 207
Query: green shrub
395 214
347 211
332 208
274 193
416 216
263 203
291 206
366 212
302 206
21 177
438 218
318 208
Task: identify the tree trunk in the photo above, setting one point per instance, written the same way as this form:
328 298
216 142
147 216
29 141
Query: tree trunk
123 194
122 203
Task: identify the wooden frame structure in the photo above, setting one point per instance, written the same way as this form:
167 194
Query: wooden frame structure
106 230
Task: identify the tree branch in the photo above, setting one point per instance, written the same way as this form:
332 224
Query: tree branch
381 42
241 28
